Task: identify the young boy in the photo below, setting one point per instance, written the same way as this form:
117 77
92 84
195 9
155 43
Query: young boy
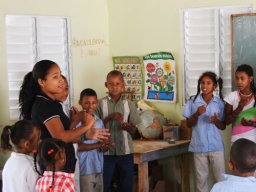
90 151
243 164
120 116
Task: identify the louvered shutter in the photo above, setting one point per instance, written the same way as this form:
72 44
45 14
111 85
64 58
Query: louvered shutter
21 56
28 40
201 46
207 44
53 44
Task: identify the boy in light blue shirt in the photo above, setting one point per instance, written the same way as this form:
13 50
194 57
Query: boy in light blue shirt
243 164
90 151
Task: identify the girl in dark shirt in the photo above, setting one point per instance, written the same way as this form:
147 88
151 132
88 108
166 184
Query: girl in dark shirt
37 102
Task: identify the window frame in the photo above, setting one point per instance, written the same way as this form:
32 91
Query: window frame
219 63
36 30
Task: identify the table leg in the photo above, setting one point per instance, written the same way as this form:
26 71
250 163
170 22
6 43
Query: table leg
143 177
185 185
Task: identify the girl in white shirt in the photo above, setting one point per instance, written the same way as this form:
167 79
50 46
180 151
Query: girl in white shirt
19 172
240 108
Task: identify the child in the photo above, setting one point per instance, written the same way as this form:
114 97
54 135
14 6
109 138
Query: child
62 97
240 105
121 117
19 173
243 164
52 153
72 112
90 151
204 113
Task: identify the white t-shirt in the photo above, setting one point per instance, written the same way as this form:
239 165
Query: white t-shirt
233 99
19 174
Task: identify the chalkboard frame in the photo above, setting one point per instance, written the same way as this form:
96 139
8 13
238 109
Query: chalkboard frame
232 17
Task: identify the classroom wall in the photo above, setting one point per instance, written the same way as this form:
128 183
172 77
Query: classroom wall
127 27
145 26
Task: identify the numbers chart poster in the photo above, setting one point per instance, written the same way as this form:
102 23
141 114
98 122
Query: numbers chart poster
130 66
160 77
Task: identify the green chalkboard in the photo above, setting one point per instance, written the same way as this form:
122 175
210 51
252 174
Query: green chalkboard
243 42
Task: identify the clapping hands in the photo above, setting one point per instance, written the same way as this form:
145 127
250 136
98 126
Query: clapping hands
200 110
98 134
117 117
75 115
106 145
214 119
246 122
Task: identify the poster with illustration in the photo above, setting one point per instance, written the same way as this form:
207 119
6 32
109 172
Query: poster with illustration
131 68
160 77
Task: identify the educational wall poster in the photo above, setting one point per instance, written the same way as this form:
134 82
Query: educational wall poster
159 77
130 66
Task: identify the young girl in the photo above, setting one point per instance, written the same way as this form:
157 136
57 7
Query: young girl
62 97
19 173
52 153
240 105
204 113
38 102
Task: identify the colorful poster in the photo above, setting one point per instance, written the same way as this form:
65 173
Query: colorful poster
160 77
130 66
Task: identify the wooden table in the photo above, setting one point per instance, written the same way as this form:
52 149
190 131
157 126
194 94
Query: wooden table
145 151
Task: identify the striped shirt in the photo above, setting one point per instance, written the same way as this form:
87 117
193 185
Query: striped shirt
63 182
122 139
248 112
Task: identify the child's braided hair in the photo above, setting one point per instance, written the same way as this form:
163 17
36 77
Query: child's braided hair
47 151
